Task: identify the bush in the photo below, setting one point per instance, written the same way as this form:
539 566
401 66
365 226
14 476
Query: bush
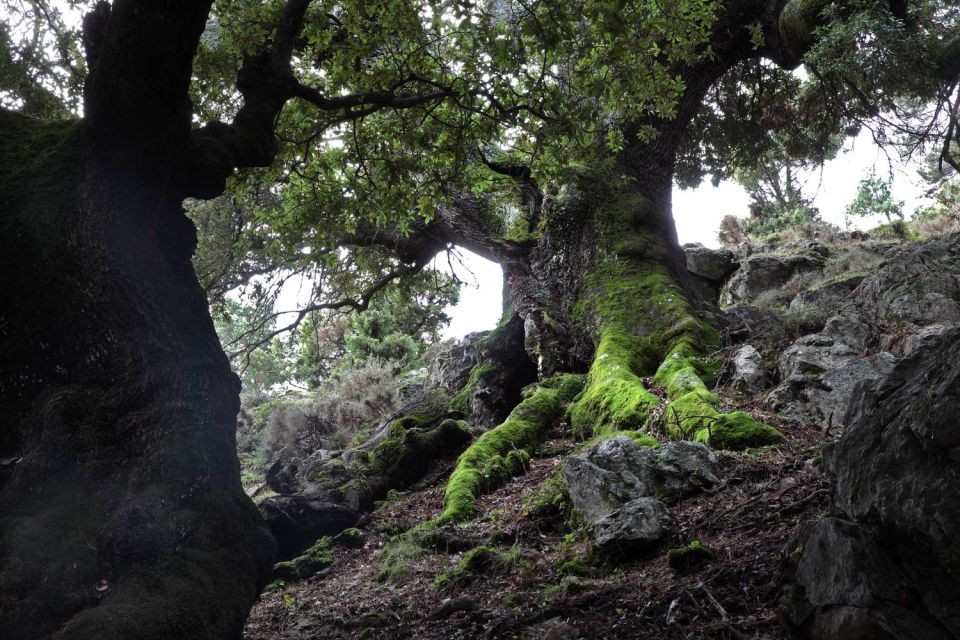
329 417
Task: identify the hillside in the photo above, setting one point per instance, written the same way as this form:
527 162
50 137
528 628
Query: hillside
828 520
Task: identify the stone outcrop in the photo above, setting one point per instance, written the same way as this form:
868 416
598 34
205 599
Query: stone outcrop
760 272
712 264
749 375
886 564
615 483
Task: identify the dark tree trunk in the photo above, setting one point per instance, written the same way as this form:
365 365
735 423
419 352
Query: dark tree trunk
121 509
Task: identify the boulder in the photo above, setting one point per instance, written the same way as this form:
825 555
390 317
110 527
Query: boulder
759 273
744 322
712 264
819 372
613 472
828 298
636 528
450 367
749 376
887 564
917 285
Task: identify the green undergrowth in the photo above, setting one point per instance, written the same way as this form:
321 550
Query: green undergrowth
500 452
309 563
479 561
398 558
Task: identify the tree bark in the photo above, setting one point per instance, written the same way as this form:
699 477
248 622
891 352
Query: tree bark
121 509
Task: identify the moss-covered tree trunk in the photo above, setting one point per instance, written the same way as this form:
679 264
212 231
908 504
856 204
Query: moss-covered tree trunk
121 510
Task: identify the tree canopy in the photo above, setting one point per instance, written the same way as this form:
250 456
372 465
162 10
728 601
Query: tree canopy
389 109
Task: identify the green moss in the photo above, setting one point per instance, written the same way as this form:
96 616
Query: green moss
520 432
521 233
312 561
639 437
738 430
478 561
461 401
643 324
351 538
398 558
689 558
577 568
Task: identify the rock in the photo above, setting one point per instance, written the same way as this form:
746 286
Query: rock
849 329
450 606
761 272
636 528
917 285
748 374
743 321
281 475
712 264
887 565
827 299
298 520
819 372
450 368
690 558
616 471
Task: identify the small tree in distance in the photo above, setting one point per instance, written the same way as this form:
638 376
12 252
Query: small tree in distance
875 197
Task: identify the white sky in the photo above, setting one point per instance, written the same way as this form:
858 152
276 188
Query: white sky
698 213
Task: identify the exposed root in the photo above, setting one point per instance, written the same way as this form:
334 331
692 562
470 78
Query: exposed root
496 454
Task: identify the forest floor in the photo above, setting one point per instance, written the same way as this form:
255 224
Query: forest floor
747 521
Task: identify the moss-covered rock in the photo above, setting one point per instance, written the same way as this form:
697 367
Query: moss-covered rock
577 568
312 561
351 538
689 558
738 430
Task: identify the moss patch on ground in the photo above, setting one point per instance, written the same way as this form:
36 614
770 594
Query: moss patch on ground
689 558
312 561
477 562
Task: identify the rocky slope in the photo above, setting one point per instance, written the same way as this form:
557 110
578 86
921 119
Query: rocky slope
846 528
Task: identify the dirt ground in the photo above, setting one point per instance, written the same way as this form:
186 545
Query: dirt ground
746 521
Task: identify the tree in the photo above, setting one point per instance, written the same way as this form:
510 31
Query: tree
527 133
875 198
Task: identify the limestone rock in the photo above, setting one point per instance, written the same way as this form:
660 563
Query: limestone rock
450 367
820 372
749 376
760 272
917 285
828 298
712 264
616 471
638 527
888 564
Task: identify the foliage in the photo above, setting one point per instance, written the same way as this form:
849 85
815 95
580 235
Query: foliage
330 416
42 68
874 197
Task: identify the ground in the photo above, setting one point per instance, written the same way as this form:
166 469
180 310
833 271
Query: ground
746 522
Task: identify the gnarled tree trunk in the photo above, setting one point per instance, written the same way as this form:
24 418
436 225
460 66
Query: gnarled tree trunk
121 509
